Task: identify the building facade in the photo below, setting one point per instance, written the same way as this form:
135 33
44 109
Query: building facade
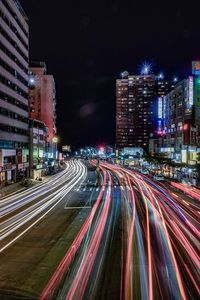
14 59
38 148
42 101
135 107
180 123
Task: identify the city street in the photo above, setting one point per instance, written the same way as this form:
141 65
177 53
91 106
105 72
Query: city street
36 229
130 238
99 150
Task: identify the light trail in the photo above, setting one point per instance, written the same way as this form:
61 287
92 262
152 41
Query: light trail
159 245
74 173
191 191
158 200
79 283
53 283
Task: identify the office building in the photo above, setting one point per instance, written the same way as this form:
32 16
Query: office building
180 122
14 57
42 102
135 101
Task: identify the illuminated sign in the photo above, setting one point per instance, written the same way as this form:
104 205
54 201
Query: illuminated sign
160 114
196 67
184 156
66 148
197 91
191 90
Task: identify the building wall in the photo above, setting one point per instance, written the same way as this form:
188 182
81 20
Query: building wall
42 99
38 144
14 58
178 113
180 127
135 110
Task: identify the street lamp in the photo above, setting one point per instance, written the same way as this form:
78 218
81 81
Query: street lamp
55 141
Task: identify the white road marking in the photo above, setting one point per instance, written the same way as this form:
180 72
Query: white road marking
77 207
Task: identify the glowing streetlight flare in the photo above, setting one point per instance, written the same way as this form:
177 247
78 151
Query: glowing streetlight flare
146 68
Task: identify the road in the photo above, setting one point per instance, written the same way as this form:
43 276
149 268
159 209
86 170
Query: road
130 238
37 226
141 241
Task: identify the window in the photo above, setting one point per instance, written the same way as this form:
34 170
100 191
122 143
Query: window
13 101
12 115
13 28
13 86
13 43
15 17
12 129
13 72
13 57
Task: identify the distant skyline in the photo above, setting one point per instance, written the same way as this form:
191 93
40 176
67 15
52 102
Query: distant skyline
87 44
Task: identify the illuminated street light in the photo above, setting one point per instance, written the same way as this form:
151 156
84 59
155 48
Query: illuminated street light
55 139
32 80
161 76
146 68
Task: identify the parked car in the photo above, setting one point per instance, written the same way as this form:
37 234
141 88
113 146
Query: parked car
158 177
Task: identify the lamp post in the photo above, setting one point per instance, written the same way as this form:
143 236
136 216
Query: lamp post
55 142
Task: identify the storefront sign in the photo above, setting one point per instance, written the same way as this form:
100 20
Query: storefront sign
196 67
191 90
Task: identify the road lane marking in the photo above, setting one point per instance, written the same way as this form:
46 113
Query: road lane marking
77 207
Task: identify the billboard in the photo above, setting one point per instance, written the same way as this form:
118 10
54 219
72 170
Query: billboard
196 67
197 91
66 148
160 107
191 90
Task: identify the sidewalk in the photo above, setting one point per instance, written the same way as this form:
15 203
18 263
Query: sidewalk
16 187
10 189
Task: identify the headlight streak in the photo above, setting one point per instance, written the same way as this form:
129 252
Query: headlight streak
77 175
13 203
30 211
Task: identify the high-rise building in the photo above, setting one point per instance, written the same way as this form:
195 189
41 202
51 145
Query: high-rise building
42 101
135 104
14 58
180 126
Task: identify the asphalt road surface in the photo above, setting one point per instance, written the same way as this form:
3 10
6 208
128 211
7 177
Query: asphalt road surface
38 225
142 242
129 238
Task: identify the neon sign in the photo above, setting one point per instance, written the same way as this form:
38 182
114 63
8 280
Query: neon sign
191 90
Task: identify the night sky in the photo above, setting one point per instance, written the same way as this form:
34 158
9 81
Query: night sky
86 44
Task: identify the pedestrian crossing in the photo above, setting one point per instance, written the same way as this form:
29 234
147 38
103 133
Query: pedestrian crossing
97 189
